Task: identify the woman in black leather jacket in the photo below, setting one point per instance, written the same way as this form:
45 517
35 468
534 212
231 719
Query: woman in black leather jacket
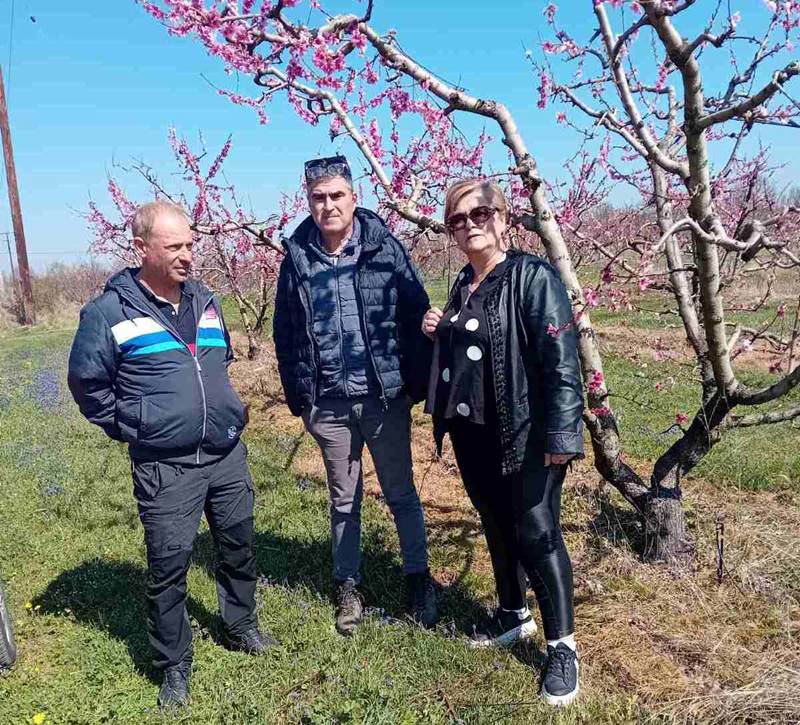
506 384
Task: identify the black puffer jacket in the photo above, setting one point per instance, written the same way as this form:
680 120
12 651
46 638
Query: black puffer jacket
132 374
535 367
391 301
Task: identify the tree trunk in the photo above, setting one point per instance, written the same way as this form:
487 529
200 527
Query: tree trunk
253 345
666 539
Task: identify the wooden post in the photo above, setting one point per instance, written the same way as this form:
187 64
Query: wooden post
26 316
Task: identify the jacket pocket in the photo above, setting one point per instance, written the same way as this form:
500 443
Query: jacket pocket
169 421
146 480
128 417
225 415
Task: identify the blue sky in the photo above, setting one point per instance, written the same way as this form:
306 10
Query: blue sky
97 82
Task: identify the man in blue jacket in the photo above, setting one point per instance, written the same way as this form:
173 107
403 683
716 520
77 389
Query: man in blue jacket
352 359
149 365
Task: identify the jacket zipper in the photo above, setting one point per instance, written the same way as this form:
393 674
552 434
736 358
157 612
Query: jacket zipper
173 331
199 371
363 322
339 325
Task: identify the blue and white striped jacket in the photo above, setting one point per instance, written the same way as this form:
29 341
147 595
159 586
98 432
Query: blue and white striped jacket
132 374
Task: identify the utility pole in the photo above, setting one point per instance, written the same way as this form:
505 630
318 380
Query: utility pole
26 301
14 280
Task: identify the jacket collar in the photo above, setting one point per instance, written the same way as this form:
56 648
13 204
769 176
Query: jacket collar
373 231
125 285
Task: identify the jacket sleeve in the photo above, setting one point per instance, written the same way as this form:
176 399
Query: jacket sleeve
551 330
412 304
93 370
282 336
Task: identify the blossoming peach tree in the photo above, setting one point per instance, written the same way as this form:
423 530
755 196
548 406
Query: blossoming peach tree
235 251
635 94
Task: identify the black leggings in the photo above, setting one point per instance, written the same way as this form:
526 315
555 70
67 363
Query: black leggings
520 516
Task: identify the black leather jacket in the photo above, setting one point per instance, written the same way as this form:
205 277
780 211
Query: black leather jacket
535 367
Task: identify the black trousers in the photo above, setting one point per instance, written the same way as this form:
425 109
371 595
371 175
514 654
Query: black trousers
521 521
171 500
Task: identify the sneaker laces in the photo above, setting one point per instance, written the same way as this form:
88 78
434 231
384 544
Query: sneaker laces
251 639
558 662
348 600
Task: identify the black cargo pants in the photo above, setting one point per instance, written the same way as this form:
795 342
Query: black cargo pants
171 500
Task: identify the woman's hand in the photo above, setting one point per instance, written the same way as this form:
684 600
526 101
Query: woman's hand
431 321
557 459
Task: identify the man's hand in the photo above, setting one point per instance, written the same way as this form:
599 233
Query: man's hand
431 321
557 459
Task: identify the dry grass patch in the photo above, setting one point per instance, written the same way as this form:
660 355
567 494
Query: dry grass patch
690 647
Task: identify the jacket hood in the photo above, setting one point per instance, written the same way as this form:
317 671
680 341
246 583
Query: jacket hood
123 282
373 231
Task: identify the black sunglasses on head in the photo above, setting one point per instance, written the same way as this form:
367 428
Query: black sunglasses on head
479 215
327 167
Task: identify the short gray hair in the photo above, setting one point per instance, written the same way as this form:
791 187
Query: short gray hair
146 215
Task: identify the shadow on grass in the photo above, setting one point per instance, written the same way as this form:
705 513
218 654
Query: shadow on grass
620 527
293 562
109 596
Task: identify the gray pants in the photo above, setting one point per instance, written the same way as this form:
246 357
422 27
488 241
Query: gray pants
341 427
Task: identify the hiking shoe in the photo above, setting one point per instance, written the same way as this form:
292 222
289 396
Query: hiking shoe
560 679
252 642
174 692
422 598
504 629
349 608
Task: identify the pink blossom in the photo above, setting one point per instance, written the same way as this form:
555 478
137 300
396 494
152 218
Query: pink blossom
591 297
544 89
681 418
596 383
781 311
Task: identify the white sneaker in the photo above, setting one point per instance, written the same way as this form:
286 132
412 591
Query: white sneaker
505 629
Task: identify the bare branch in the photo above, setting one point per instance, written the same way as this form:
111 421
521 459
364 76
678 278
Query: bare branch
740 110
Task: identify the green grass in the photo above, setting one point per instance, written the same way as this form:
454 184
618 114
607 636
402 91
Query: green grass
766 457
72 557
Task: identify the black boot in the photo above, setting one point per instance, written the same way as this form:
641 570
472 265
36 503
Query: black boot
422 598
349 608
252 642
174 692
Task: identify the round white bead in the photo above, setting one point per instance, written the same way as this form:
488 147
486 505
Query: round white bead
474 353
462 409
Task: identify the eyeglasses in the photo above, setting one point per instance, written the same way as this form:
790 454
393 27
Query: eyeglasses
326 168
479 215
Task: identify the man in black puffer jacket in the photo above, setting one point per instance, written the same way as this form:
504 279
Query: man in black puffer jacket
149 365
352 360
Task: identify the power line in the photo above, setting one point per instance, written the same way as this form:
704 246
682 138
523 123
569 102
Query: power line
59 252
